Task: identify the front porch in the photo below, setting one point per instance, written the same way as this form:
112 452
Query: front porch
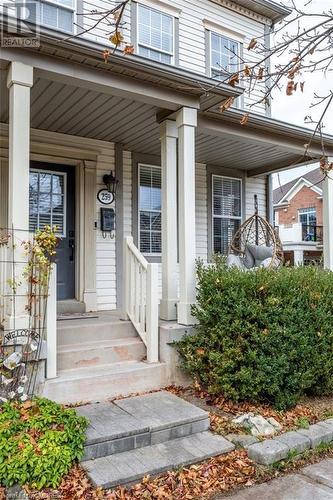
104 124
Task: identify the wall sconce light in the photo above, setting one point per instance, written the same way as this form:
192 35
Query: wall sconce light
111 183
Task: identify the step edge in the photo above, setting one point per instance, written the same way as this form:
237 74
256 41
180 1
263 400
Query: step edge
88 346
150 430
153 472
101 370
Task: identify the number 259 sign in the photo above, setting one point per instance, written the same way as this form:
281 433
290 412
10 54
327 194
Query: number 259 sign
105 197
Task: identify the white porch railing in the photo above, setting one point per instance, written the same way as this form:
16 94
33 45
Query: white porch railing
51 325
141 297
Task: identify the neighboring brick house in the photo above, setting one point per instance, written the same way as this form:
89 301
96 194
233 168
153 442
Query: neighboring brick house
298 213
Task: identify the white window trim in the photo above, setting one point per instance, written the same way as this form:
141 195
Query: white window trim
173 53
234 217
222 30
211 67
310 210
64 175
163 7
150 254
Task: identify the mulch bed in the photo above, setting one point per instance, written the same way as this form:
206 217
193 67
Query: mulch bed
308 411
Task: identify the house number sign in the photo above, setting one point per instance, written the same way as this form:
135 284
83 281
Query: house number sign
105 197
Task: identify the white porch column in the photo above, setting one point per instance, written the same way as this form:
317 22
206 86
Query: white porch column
169 135
298 257
19 82
328 221
186 123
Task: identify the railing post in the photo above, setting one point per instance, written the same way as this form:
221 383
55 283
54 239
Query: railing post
152 313
126 268
51 325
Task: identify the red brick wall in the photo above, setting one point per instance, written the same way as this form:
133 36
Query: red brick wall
305 198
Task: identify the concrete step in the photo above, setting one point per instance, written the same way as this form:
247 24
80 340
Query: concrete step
138 421
93 329
70 306
127 467
97 352
99 383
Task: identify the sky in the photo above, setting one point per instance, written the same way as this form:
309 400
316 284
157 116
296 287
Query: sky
294 108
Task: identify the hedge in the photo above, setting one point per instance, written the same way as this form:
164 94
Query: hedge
263 335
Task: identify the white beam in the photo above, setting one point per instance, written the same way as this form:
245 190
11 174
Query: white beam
169 135
186 123
328 221
98 80
252 134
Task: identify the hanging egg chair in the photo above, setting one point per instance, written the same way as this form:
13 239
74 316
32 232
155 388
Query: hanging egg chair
255 244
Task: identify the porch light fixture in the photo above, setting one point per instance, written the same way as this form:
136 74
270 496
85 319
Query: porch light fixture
111 183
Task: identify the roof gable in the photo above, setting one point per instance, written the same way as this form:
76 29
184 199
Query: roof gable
286 192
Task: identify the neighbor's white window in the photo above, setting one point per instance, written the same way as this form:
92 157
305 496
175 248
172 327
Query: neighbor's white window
227 211
47 193
307 216
150 210
155 35
57 14
224 55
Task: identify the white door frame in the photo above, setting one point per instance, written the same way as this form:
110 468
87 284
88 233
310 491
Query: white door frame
80 223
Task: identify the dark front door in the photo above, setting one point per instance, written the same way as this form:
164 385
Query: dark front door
52 203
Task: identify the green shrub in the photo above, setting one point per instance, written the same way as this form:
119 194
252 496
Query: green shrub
39 440
264 335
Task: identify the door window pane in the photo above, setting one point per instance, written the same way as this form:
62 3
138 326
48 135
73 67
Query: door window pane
150 215
47 201
226 210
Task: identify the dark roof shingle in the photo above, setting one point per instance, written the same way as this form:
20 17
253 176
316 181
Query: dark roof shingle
315 176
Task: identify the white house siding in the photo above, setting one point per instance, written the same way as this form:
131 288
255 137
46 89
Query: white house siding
192 40
255 185
105 247
201 211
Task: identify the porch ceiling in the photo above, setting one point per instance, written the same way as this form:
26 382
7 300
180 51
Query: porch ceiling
79 111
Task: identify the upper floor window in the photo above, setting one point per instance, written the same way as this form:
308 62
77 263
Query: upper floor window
155 35
57 14
224 55
150 209
307 216
227 211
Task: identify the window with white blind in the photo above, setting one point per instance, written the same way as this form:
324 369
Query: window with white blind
226 210
150 210
155 35
57 14
224 55
47 193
